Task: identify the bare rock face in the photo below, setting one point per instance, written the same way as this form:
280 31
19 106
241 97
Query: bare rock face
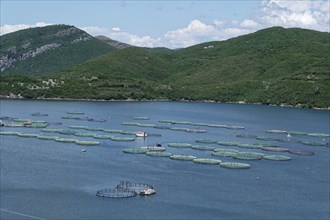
6 62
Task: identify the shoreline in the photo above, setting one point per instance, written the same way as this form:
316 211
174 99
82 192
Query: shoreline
284 105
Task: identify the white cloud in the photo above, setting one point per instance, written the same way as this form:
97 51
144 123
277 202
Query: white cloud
195 32
247 23
115 29
8 28
219 23
308 14
290 5
305 14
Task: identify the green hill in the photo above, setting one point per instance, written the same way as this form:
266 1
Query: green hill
45 50
270 66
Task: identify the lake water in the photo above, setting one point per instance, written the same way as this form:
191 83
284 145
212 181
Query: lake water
52 180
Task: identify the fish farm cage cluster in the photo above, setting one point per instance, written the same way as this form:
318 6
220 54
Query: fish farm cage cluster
126 189
84 135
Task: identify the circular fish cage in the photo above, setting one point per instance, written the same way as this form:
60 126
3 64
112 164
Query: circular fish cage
126 189
130 123
216 126
99 136
75 113
202 147
88 143
246 136
182 157
236 127
78 127
225 150
318 135
235 165
267 145
189 130
146 125
67 132
277 157
9 133
275 149
248 156
162 127
66 140
207 161
135 151
198 124
141 118
70 117
51 130
228 143
153 148
21 120
158 154
207 141
123 138
165 121
179 145
313 143
41 137
183 122
224 154
128 133
276 131
137 187
297 133
116 193
85 134
94 129
37 125
302 152
27 135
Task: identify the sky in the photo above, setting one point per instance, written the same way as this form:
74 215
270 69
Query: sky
172 24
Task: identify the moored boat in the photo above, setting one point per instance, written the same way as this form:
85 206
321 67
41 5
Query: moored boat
147 192
141 134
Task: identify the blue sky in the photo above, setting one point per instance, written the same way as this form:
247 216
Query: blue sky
166 23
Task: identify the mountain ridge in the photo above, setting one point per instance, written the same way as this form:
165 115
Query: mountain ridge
271 66
45 50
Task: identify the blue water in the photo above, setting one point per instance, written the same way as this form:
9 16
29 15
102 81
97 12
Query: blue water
53 180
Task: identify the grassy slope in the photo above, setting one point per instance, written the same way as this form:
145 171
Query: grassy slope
274 65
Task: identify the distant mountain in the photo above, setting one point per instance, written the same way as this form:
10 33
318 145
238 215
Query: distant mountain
45 50
270 66
113 43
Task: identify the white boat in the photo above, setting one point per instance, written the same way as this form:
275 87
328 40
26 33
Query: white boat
147 192
141 134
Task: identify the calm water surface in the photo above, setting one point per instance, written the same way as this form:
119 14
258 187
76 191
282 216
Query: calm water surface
52 180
